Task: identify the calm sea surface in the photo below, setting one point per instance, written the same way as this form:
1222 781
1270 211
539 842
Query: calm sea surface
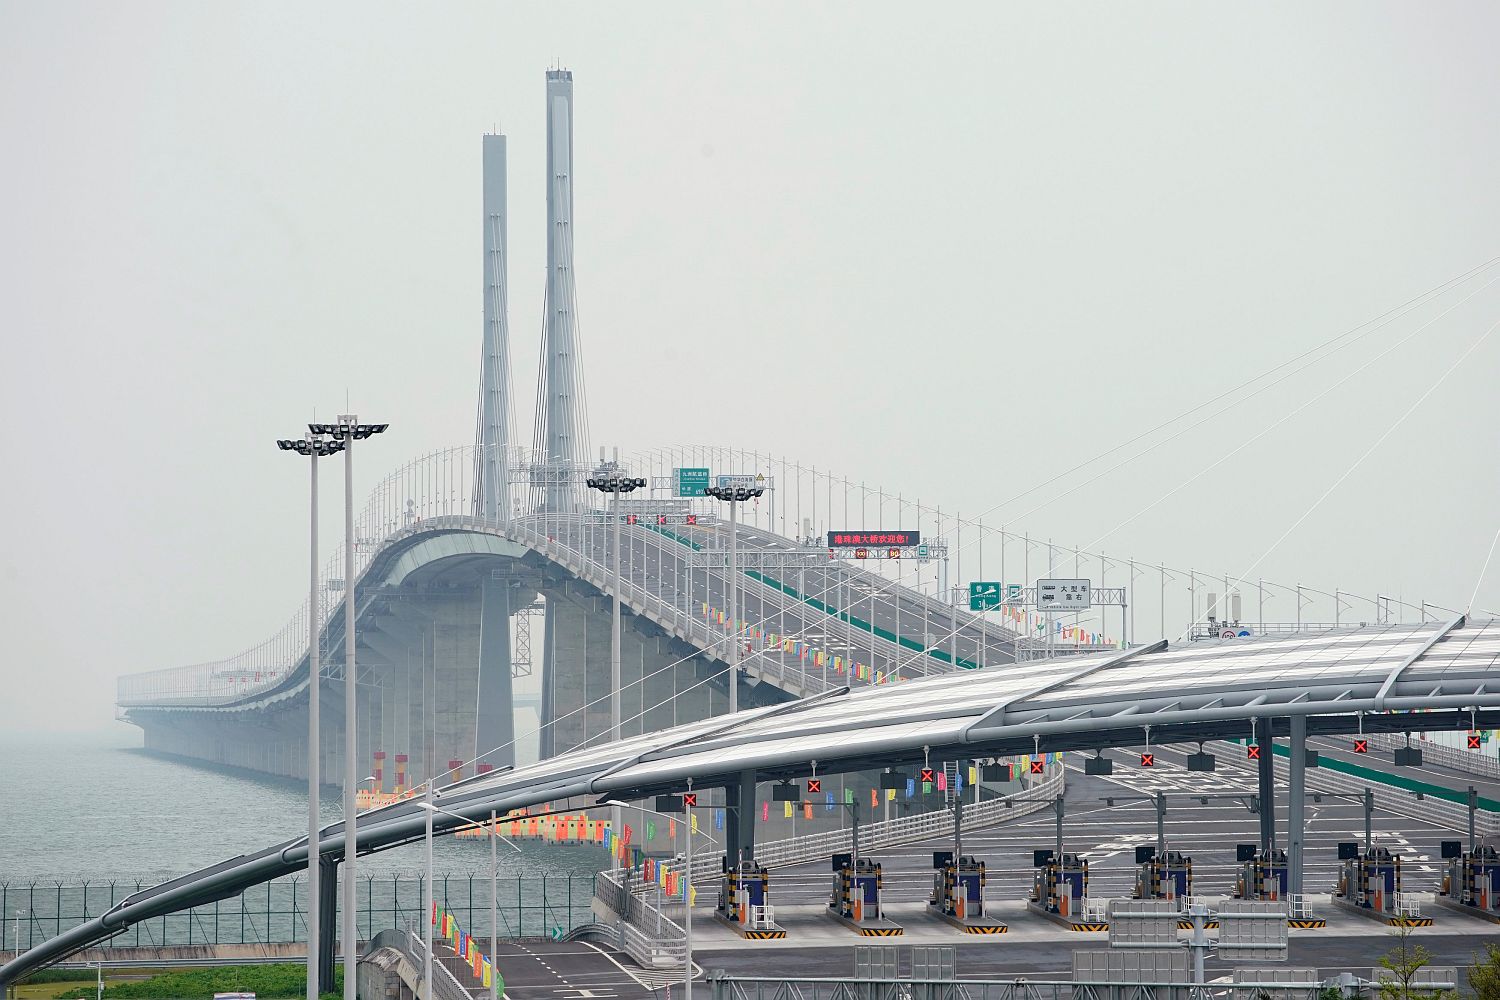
96 806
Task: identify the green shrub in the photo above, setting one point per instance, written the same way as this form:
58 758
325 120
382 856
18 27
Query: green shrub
288 980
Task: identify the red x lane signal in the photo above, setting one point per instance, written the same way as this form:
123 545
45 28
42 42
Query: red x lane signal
1473 741
689 799
631 518
1148 760
927 776
1036 767
1252 751
661 519
814 785
692 519
1361 746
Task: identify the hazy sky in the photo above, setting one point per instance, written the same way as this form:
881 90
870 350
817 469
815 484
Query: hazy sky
882 238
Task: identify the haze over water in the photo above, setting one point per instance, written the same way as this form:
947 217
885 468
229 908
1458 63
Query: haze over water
95 806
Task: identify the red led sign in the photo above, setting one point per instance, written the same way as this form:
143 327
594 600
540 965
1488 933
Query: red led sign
858 539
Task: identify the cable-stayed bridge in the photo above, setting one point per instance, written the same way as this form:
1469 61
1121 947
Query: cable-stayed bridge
475 564
813 608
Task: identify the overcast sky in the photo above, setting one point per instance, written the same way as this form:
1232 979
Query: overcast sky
882 238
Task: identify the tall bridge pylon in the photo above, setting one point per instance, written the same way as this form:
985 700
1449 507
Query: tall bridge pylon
560 429
492 437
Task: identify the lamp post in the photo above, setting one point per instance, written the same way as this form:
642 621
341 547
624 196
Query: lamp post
494 883
312 447
347 431
610 478
734 495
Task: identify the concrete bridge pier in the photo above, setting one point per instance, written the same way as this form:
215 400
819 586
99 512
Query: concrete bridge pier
665 681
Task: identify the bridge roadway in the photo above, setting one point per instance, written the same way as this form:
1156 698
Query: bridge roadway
832 604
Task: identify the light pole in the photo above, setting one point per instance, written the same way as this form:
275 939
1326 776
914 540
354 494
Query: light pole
312 447
609 478
349 430
734 495
494 885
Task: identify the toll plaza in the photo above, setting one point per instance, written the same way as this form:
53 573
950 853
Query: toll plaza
856 897
1370 885
1471 884
1169 876
1060 889
744 903
958 894
1262 876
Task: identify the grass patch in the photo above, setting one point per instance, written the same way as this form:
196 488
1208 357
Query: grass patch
289 980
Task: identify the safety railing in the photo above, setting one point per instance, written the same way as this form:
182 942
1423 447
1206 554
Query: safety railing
276 911
1409 904
436 491
643 931
1473 761
441 485
413 950
1390 793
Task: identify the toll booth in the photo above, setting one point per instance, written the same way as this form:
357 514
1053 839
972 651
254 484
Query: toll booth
1262 876
744 904
855 900
1059 891
958 894
1472 882
1370 885
1169 877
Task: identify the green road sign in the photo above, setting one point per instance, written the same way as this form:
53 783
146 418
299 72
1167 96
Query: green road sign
691 482
984 595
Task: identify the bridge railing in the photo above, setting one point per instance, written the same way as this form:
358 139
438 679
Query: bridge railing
437 491
643 931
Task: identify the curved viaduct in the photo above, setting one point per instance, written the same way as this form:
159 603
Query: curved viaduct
436 606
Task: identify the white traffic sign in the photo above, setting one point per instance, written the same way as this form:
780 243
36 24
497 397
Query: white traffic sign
1063 595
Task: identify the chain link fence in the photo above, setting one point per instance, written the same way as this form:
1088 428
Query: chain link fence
276 912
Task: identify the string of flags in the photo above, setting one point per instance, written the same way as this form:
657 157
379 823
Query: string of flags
446 926
804 651
1022 620
1033 623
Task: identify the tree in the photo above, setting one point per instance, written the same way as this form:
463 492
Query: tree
1484 974
1403 962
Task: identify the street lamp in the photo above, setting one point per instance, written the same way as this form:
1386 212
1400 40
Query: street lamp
312 447
347 431
734 495
687 890
608 478
494 889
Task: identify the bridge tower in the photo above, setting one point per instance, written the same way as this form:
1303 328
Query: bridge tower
492 439
560 430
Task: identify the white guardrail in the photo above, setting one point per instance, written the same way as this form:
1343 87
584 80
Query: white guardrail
441 487
1390 797
1473 761
435 492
